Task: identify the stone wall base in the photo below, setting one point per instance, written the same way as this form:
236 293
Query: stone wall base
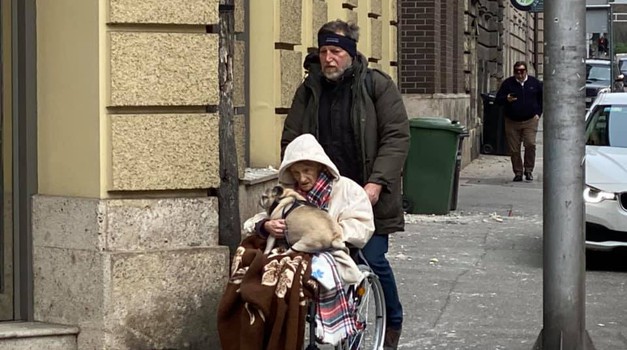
131 274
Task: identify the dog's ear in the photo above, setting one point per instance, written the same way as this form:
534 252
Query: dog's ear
277 191
263 200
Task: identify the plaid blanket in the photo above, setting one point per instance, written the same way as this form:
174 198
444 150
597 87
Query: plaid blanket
334 320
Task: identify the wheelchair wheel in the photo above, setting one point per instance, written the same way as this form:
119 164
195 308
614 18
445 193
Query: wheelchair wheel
370 315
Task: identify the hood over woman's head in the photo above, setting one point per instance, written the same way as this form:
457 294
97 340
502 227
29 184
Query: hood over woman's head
304 147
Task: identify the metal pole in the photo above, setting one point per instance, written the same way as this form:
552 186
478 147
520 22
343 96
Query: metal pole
563 211
610 45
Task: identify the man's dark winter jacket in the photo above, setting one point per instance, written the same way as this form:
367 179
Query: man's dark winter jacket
529 96
381 134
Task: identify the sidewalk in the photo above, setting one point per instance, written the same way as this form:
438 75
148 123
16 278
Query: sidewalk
473 279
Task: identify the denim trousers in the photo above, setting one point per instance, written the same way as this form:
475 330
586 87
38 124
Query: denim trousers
374 252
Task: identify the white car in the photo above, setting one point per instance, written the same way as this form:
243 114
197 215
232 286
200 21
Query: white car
605 193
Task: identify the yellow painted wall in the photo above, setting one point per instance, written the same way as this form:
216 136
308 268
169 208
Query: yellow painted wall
68 98
264 130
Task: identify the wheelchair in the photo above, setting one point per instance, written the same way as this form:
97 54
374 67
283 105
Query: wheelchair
369 314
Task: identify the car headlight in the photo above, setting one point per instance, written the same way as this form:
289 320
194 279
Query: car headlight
595 195
604 90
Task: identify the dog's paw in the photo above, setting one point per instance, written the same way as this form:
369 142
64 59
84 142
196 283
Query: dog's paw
249 225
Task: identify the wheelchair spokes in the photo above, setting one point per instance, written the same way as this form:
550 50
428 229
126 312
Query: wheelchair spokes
369 314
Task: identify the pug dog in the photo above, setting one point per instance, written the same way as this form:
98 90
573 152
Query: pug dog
309 228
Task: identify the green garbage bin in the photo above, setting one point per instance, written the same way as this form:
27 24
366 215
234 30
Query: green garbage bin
429 173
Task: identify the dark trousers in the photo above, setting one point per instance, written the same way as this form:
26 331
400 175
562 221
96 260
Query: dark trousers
521 132
374 252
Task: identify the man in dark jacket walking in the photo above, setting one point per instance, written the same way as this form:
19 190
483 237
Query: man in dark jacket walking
359 118
521 94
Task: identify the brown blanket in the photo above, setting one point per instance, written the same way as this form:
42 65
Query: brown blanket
264 304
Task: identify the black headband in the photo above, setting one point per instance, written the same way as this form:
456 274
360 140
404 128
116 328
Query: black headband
342 41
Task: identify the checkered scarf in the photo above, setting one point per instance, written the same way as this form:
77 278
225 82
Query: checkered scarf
320 193
335 313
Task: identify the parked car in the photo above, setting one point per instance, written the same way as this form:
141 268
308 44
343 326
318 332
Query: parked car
599 79
605 193
621 60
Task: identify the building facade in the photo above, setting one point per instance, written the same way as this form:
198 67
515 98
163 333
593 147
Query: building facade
452 51
111 143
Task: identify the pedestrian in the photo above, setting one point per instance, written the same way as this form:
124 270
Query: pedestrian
358 116
521 94
602 44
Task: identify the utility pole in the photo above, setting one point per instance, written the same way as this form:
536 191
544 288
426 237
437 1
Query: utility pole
610 45
563 207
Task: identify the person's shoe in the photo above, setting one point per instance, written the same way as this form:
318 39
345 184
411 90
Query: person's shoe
391 338
529 176
517 178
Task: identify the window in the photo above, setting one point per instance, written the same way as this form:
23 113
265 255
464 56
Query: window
597 73
607 126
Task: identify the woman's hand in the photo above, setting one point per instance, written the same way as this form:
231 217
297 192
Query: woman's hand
276 228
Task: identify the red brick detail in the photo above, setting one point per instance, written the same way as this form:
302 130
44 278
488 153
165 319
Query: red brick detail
431 46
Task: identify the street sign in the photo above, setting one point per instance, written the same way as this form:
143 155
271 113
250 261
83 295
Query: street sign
537 6
529 5
523 5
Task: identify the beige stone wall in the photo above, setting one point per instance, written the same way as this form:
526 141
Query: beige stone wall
125 237
162 151
132 274
162 71
281 34
151 64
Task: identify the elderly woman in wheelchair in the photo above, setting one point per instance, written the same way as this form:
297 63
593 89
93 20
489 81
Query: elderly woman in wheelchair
271 299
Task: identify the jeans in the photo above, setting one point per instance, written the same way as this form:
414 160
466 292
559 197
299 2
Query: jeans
374 252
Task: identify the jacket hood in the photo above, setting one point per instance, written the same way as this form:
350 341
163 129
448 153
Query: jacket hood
304 147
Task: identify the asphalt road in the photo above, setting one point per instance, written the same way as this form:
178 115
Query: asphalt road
473 279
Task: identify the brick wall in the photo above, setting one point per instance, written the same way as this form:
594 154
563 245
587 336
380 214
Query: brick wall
418 47
431 50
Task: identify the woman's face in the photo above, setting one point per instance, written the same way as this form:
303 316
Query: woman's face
305 174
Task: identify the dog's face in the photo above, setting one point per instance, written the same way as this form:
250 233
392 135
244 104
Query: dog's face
270 196
278 197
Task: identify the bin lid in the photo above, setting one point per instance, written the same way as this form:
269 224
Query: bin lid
436 123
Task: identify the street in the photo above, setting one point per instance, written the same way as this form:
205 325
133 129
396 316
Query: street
473 279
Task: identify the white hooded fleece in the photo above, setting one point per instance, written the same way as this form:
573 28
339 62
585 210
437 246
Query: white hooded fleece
349 203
